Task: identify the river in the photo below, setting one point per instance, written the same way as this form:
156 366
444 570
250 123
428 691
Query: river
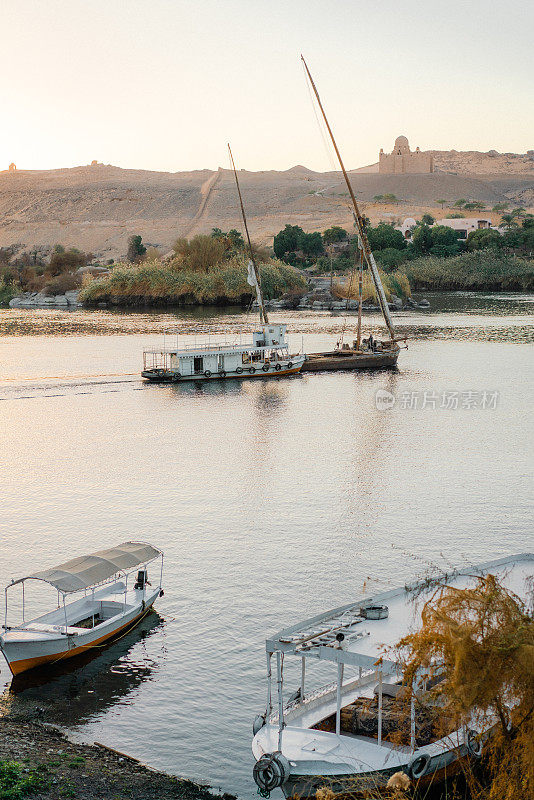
272 500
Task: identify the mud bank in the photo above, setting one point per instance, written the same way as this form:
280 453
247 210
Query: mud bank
53 768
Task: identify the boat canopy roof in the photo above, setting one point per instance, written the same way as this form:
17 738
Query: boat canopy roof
86 571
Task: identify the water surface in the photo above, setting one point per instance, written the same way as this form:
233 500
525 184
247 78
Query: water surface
271 499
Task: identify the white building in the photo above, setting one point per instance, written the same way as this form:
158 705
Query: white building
463 226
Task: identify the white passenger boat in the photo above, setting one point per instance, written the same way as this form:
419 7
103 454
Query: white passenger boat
340 735
265 356
113 600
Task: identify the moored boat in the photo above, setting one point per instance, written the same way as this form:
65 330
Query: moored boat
370 353
353 735
112 602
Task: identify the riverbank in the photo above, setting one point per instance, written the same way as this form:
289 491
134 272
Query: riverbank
38 760
482 270
154 283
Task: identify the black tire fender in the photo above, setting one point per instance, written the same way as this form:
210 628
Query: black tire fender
222 373
473 744
207 373
271 771
239 370
418 766
265 368
278 368
252 370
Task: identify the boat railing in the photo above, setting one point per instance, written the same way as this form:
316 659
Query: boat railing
213 348
312 697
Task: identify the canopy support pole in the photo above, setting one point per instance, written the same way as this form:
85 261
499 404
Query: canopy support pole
23 617
5 606
302 678
338 697
125 589
380 708
412 722
65 612
280 683
269 685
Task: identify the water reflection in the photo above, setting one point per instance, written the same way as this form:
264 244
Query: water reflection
468 312
75 691
207 388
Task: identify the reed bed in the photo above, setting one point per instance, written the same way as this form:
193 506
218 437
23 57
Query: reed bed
173 283
394 283
480 270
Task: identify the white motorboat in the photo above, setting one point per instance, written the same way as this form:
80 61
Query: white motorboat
340 735
112 600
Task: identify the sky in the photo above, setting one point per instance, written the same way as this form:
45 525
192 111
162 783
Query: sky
165 84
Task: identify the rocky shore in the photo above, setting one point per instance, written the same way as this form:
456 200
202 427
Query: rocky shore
37 760
322 300
66 301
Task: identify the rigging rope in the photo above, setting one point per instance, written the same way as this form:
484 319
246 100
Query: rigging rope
320 125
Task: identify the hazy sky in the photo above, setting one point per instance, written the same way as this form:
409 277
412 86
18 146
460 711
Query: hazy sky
164 84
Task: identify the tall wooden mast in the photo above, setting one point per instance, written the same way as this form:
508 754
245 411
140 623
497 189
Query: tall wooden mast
263 313
365 247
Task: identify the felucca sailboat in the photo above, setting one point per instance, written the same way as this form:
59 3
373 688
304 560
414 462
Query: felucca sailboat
369 353
266 356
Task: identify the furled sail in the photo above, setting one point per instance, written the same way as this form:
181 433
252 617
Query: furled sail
252 280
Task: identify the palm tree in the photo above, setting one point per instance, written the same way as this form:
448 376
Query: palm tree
441 202
508 221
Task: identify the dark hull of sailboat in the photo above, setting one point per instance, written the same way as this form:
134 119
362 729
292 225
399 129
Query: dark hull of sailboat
340 360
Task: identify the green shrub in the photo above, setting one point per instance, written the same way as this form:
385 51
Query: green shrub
16 784
154 282
392 282
390 258
63 260
8 291
490 269
65 282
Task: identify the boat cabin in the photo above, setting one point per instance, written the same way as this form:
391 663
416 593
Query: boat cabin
267 349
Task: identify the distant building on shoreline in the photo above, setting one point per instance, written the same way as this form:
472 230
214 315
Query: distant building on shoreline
463 227
12 167
402 160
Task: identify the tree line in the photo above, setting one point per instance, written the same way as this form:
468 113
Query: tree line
335 249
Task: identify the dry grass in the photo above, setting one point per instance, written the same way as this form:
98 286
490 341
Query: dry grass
482 269
393 282
153 283
484 639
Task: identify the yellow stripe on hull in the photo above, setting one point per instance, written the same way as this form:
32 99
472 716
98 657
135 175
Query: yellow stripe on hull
24 664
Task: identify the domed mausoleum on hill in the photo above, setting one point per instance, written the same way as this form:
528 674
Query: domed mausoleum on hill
402 160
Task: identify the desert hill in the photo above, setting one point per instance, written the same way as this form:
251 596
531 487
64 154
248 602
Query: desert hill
96 208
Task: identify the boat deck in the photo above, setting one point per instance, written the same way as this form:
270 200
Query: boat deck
370 638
